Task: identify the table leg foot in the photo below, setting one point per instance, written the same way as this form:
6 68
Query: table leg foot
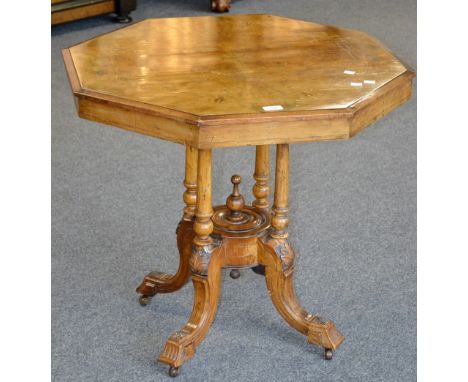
158 282
206 277
277 255
220 5
123 19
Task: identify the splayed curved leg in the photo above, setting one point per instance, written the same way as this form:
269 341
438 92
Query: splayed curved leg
277 256
159 282
181 346
205 265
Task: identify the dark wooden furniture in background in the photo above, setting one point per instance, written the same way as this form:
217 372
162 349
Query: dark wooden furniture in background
64 11
213 82
220 5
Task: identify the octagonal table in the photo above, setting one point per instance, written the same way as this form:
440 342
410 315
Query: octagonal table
213 82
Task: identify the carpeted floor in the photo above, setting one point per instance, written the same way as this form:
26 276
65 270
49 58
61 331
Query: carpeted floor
115 206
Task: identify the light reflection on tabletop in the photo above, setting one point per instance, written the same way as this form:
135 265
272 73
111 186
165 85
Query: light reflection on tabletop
235 65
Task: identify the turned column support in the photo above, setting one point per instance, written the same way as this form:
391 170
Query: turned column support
190 182
280 219
261 188
203 225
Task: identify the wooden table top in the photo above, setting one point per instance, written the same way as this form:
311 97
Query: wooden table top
236 80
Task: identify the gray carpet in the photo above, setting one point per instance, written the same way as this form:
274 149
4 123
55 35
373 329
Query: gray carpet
116 198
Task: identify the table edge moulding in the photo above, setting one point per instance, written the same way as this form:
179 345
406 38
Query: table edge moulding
227 130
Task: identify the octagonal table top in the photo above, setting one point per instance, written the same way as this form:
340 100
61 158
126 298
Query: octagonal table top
236 80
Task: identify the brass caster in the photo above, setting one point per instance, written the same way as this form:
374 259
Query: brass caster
174 371
328 354
235 274
144 300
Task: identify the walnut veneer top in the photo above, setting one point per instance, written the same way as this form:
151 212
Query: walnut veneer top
206 81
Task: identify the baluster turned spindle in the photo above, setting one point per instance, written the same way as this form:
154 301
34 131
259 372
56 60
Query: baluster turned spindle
203 225
190 182
261 188
280 219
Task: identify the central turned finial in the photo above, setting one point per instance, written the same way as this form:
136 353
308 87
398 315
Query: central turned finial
235 202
